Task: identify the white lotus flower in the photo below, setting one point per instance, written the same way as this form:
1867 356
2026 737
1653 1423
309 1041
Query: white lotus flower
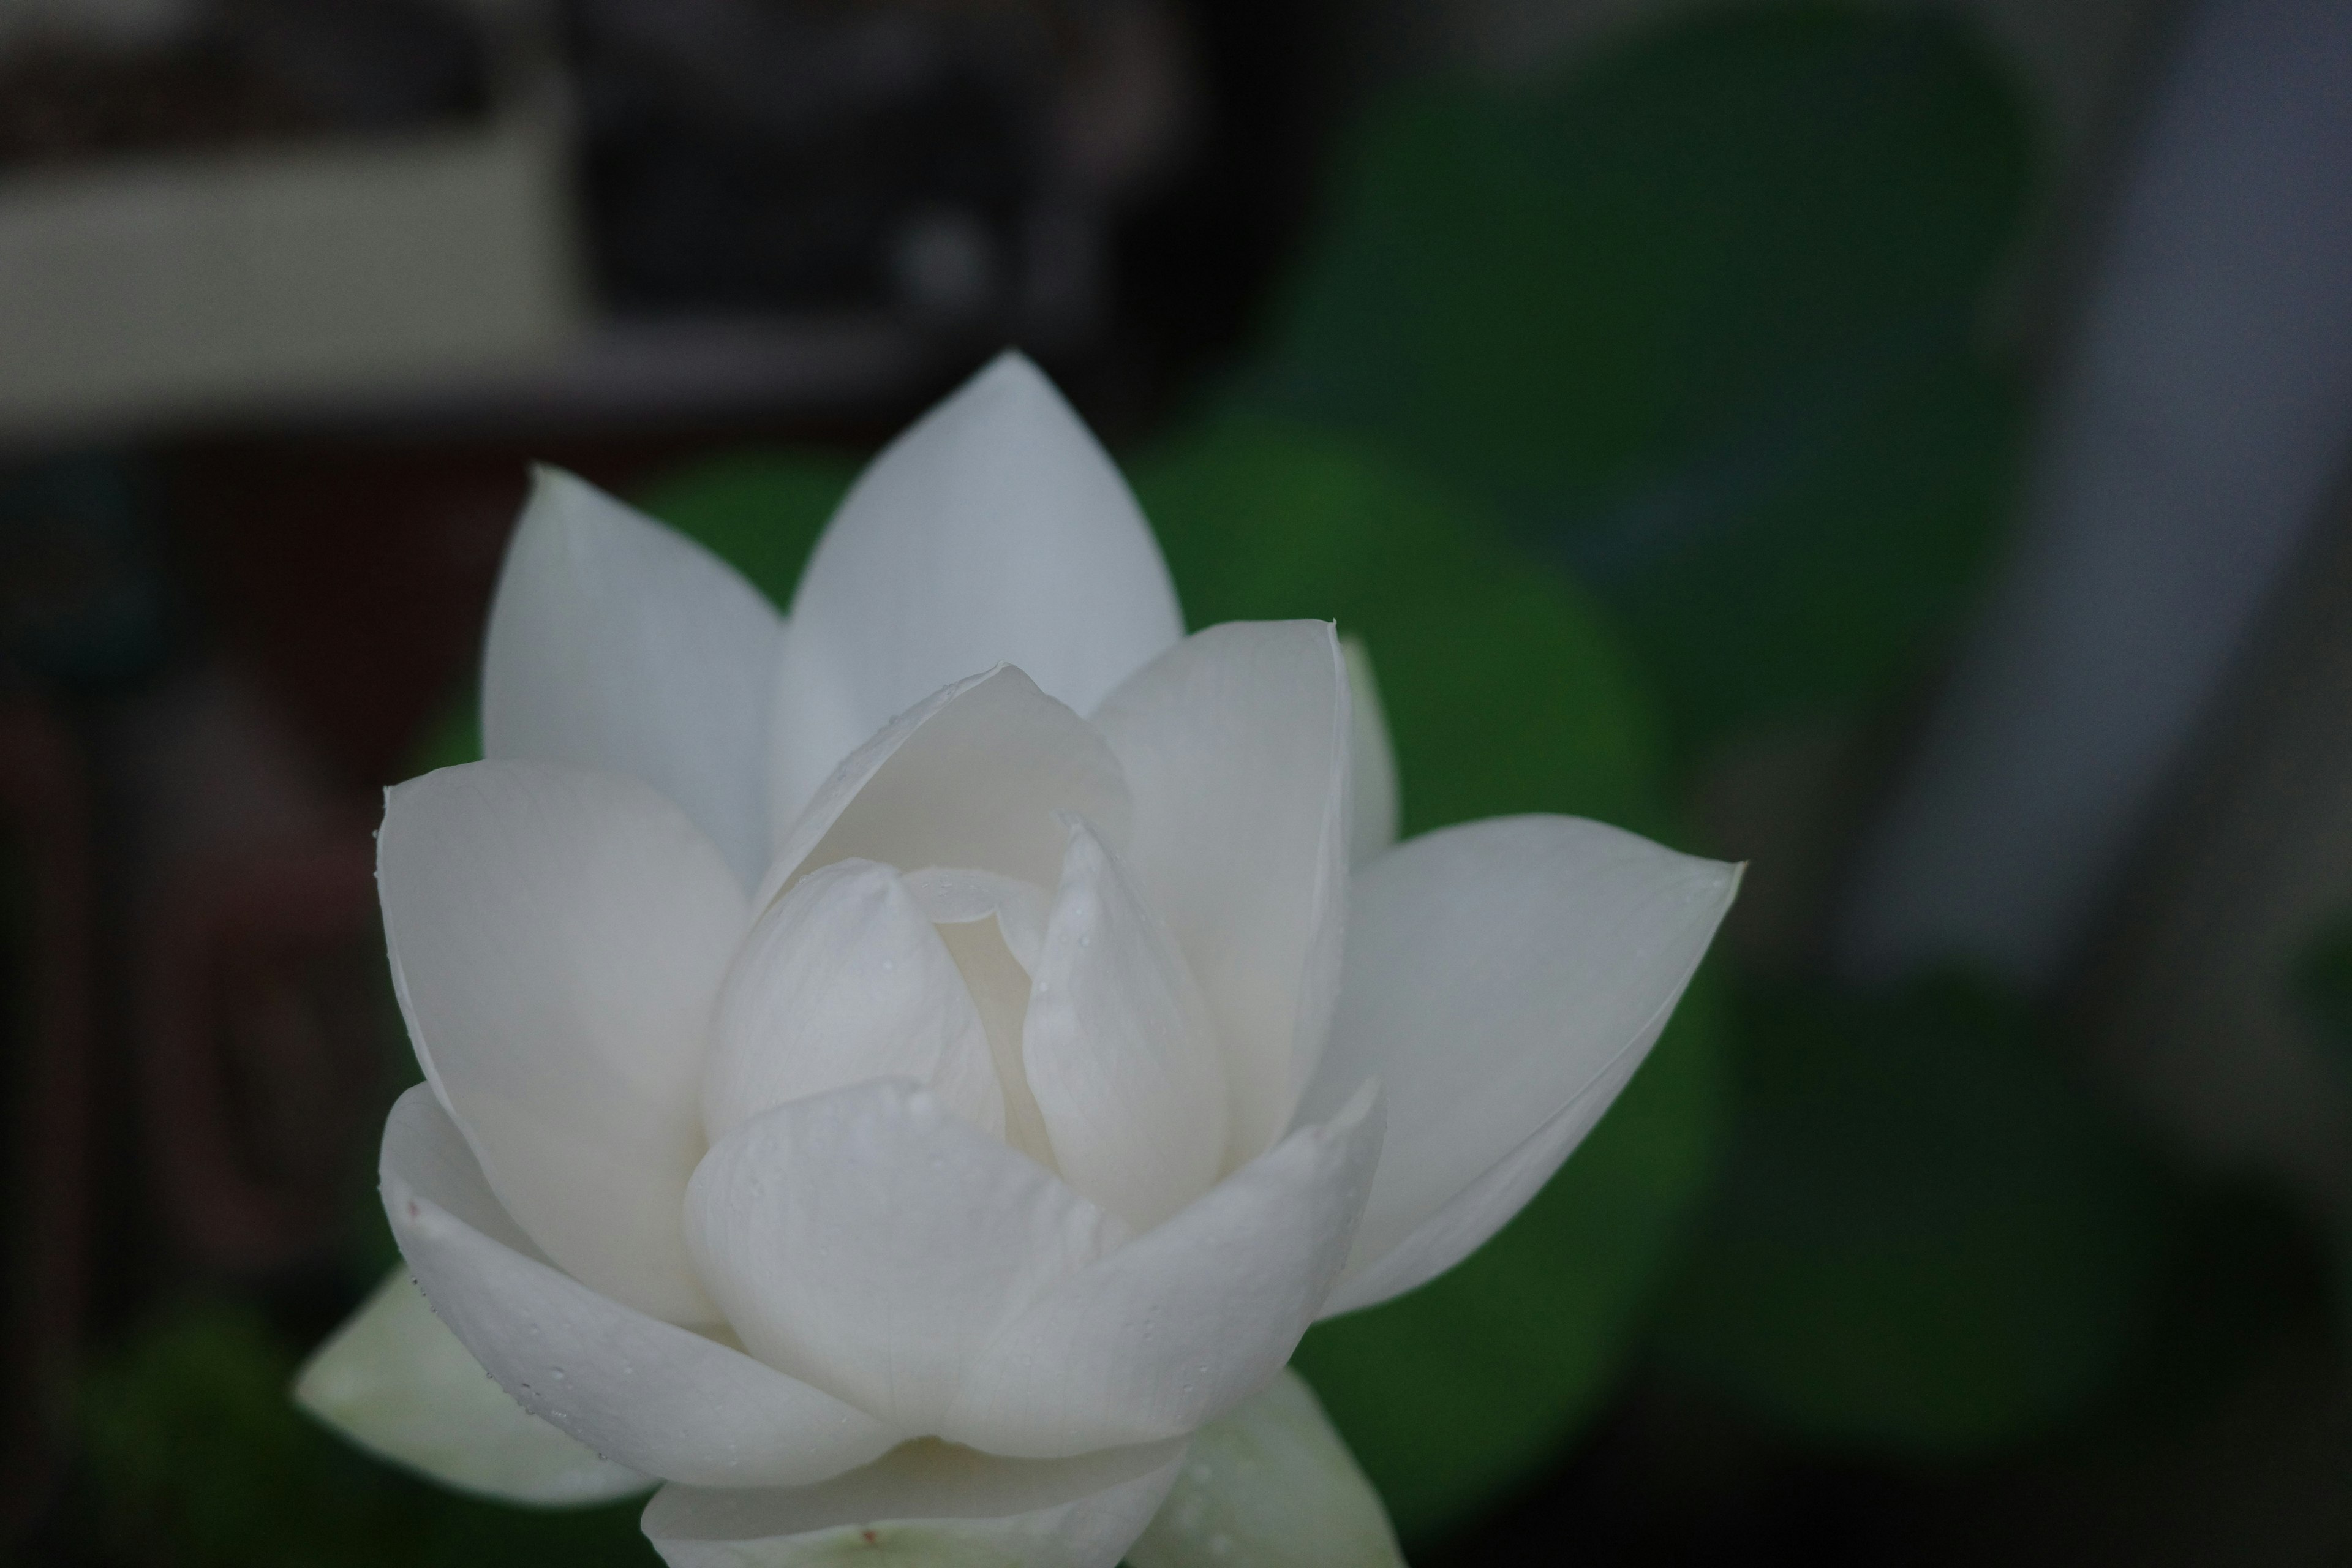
907 1068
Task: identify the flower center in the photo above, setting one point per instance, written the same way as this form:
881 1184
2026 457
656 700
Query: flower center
994 927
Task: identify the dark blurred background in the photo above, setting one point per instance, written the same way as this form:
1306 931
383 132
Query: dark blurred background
1900 444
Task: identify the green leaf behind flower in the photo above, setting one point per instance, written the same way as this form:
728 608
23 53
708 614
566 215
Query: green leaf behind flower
1925 1236
1700 317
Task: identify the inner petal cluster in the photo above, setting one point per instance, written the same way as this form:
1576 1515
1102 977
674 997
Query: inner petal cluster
1064 1023
953 909
859 972
994 928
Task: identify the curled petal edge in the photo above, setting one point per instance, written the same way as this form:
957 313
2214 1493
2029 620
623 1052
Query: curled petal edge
927 1503
396 1381
659 1399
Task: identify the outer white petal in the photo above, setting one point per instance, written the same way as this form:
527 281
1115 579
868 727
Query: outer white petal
1496 974
1120 1051
870 1243
926 1505
648 1395
1372 760
618 644
1475 1212
1185 1321
557 938
996 531
1270 1484
974 776
395 1380
844 980
1236 746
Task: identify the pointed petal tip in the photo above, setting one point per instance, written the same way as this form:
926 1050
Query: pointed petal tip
994 527
1553 950
1010 386
1719 881
582 515
551 488
1011 361
618 643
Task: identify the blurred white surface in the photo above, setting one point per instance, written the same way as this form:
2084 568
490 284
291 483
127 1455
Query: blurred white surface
131 292
2193 434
